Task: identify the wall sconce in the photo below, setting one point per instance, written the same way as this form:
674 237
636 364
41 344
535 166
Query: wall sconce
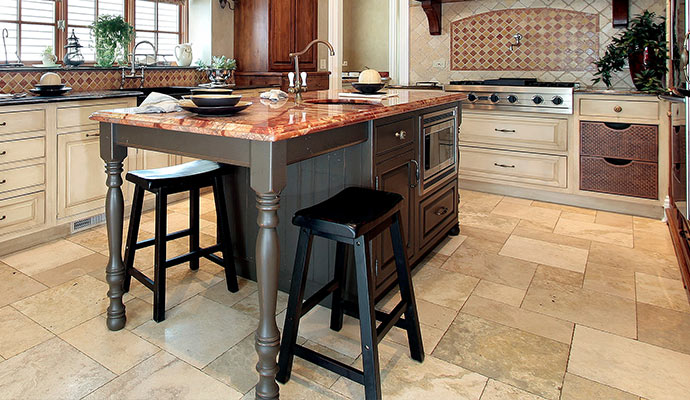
230 3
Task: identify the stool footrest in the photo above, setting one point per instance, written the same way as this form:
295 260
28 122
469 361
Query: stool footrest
145 280
389 320
168 238
317 297
214 258
192 255
330 364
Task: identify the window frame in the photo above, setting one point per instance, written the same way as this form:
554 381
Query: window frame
60 34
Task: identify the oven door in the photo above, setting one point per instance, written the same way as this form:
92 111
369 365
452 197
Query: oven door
439 147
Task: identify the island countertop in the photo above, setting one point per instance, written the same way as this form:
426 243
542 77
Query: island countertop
272 122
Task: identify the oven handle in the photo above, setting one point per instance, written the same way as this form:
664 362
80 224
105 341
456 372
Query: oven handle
416 174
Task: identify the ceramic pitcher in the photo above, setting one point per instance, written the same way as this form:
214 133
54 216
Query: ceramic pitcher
183 54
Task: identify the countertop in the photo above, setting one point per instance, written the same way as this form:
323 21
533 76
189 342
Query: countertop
72 96
266 121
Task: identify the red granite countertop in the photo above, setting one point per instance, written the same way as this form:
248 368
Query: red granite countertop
265 121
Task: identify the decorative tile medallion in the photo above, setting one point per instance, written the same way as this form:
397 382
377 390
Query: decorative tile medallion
552 40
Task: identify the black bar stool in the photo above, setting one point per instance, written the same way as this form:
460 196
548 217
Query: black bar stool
162 182
352 218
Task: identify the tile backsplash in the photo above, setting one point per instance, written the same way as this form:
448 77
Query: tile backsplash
561 40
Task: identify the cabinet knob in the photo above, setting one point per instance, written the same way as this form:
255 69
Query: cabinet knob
401 135
441 211
617 109
3 123
3 217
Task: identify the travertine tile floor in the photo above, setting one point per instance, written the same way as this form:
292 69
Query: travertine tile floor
532 301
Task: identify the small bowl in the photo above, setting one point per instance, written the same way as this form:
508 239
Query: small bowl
211 91
368 88
215 100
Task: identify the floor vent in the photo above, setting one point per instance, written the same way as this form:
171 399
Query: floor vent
86 223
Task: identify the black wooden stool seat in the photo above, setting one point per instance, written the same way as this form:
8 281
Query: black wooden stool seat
162 182
352 218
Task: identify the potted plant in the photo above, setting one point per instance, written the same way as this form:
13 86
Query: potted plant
112 36
643 46
219 70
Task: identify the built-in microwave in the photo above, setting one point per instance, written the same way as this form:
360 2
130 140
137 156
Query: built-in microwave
438 147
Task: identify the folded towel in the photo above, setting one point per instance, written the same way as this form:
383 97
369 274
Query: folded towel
156 103
274 95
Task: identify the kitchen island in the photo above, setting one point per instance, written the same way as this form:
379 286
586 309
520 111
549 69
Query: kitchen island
263 141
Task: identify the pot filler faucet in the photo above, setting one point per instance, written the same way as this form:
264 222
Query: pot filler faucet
298 82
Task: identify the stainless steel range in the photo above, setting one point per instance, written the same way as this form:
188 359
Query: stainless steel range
507 94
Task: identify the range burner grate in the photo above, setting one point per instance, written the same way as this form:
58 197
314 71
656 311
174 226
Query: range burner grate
530 82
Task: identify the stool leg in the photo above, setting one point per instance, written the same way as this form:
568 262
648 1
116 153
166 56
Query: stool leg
224 235
414 335
340 269
194 227
159 257
294 309
132 235
367 320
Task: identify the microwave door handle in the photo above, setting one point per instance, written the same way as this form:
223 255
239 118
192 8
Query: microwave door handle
416 173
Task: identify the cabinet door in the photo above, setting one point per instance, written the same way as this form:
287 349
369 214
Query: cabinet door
306 30
152 159
394 175
281 34
81 176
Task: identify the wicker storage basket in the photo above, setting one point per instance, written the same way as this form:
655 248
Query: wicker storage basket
626 141
616 176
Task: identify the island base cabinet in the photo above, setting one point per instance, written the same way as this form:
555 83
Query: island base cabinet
22 212
436 212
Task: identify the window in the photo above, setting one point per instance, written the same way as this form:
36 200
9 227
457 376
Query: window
34 24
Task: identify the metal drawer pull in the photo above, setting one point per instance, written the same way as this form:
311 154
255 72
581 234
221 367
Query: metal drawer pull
2 182
93 134
3 123
2 153
504 165
441 211
617 109
505 130
401 135
3 217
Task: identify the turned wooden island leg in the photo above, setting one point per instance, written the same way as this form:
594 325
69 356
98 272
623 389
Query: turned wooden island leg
113 155
267 171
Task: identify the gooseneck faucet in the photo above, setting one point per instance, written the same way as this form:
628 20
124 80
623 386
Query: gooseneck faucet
298 82
133 73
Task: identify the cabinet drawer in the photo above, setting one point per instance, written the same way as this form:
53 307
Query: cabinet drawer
628 141
436 211
616 176
79 116
536 169
22 212
527 133
620 109
22 149
22 121
394 135
17 178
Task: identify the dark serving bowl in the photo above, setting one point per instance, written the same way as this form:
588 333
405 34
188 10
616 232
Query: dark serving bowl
50 87
368 88
215 100
211 91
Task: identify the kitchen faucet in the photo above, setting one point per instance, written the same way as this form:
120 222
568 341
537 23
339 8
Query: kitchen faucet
298 82
133 73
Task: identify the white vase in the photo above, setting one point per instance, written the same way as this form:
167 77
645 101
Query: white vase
183 54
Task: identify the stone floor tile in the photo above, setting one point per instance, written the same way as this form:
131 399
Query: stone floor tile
434 260
198 331
436 316
478 201
405 379
19 333
315 373
301 388
250 304
449 245
93 239
551 237
176 222
528 321
44 257
598 310
661 292
522 359
480 259
663 327
66 306
578 388
236 367
652 235
138 311
51 370
487 220
547 273
15 285
164 377
445 288
496 390
605 279
73 269
541 252
613 219
595 232
430 337
629 365
315 326
181 284
542 217
496 291
577 216
220 293
489 235
564 207
634 260
118 351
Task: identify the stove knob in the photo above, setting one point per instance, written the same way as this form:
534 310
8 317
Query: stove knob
512 99
472 97
557 100
494 98
537 99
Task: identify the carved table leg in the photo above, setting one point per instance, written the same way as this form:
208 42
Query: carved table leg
113 156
